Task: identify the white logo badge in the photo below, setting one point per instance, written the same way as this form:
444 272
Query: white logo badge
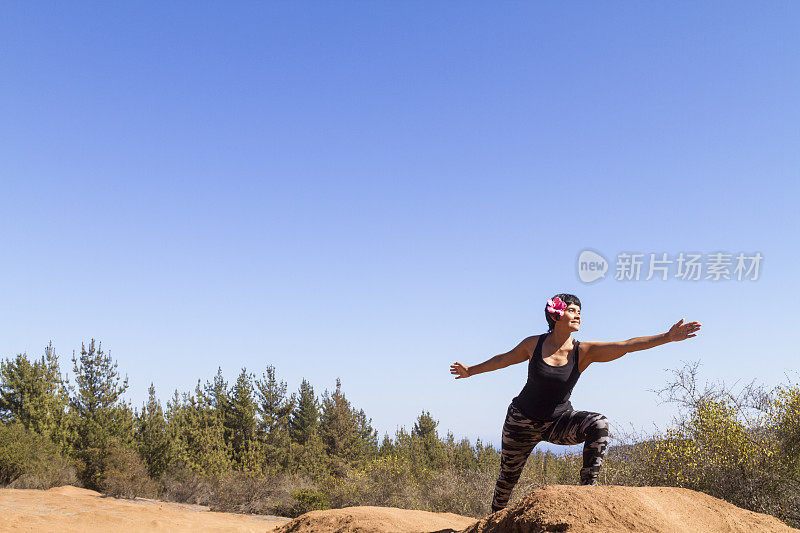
591 266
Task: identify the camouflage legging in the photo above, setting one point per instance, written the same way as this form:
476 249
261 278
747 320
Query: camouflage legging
521 434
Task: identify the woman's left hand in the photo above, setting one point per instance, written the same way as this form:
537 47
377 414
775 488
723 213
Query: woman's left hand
680 331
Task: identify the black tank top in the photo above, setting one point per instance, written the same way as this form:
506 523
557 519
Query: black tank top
546 394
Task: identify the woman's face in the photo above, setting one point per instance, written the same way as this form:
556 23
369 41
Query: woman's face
572 317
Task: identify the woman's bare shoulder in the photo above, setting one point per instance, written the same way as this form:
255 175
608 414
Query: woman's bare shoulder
533 339
529 343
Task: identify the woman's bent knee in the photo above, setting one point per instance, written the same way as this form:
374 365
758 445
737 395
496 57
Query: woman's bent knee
601 423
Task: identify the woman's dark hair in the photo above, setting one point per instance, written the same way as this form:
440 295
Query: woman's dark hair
568 299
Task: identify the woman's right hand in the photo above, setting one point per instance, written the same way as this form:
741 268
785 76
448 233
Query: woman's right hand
461 370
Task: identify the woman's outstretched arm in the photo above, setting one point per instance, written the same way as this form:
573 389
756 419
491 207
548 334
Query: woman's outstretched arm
602 352
521 352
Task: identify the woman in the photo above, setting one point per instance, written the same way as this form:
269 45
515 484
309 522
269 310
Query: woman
542 410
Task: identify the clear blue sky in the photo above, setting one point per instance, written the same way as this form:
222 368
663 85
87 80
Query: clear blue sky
373 191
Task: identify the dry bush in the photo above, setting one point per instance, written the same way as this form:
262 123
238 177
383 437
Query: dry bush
397 481
244 493
460 491
237 492
124 474
182 485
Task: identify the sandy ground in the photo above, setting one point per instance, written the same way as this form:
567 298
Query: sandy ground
70 509
553 508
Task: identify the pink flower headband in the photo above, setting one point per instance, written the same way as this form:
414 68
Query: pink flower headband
556 306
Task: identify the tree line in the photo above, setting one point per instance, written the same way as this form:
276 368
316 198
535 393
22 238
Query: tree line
252 426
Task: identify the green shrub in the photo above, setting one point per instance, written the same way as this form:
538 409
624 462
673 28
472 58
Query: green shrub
308 500
30 460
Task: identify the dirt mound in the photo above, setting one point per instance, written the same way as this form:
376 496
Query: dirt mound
69 490
610 508
369 519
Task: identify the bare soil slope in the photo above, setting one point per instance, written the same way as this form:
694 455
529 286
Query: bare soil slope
615 508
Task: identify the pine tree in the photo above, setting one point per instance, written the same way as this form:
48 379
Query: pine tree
305 418
425 427
345 431
34 394
99 412
402 439
275 411
57 399
425 433
198 431
216 392
488 458
151 435
19 391
338 425
309 456
176 418
97 396
242 425
368 435
460 454
387 446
